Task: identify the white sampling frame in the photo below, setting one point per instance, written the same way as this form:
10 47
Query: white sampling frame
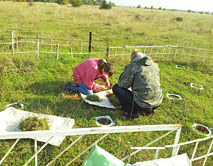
174 96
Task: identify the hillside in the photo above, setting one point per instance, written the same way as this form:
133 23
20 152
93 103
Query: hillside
123 26
38 83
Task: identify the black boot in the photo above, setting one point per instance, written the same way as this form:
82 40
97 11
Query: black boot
133 116
70 86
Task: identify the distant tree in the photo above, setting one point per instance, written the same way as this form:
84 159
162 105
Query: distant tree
173 9
152 7
112 4
189 11
160 8
89 2
62 2
207 12
105 5
202 12
139 6
76 3
164 8
145 7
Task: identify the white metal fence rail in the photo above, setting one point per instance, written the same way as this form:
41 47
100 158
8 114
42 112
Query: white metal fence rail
196 146
88 131
55 44
192 158
169 53
26 42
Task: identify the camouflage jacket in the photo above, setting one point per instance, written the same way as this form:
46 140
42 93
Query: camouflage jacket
142 75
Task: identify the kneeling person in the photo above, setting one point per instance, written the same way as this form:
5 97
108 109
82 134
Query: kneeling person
87 72
142 75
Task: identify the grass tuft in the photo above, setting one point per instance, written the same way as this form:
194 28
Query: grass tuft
33 124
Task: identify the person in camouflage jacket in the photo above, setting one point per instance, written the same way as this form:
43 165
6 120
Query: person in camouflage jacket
142 75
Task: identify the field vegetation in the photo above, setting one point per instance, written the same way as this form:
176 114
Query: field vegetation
38 83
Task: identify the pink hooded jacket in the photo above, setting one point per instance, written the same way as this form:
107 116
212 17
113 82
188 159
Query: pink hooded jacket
87 72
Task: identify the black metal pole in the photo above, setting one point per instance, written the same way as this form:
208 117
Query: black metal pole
90 41
107 50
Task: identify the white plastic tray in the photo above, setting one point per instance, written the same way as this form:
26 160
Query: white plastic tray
196 86
103 96
180 67
11 118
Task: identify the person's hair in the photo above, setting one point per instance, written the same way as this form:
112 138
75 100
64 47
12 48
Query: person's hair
108 68
136 52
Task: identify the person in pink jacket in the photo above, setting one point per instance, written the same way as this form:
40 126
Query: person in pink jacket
88 71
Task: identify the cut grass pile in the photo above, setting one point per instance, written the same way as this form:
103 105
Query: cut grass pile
93 98
34 123
113 99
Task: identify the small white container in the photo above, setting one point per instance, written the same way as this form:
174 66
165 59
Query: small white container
180 67
198 127
16 104
107 117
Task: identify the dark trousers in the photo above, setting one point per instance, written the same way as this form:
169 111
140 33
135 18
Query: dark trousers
125 98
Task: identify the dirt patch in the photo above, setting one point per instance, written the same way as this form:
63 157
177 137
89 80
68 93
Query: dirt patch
202 129
104 121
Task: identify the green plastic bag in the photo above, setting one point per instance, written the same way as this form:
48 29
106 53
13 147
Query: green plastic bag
100 157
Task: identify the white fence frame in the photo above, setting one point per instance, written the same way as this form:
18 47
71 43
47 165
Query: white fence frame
38 43
197 141
168 53
88 131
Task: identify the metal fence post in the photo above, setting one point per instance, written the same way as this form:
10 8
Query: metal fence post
209 150
177 137
107 50
12 42
35 149
90 41
71 55
17 44
182 55
175 54
57 50
37 51
190 55
198 54
204 57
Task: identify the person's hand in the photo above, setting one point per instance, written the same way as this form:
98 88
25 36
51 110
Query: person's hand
103 87
107 84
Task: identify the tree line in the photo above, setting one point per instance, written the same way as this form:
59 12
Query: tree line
75 3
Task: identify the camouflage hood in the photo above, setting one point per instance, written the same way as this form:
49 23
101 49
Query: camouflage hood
142 75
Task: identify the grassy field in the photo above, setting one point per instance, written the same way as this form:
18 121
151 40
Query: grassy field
38 83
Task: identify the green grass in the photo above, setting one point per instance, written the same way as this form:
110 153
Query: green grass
38 83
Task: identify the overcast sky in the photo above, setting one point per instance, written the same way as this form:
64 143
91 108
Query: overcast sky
195 5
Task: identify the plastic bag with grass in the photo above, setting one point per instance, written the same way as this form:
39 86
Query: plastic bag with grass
100 157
